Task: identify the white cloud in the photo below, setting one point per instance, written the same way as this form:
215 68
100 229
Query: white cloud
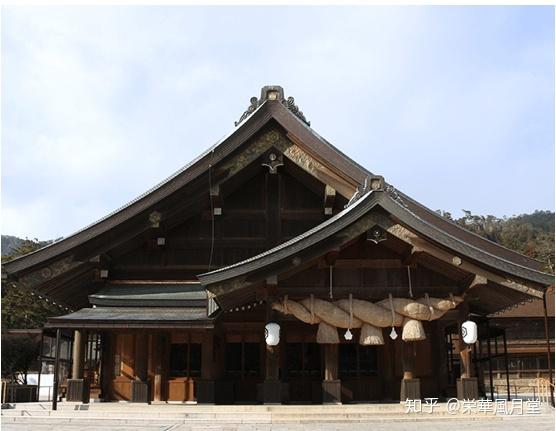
101 103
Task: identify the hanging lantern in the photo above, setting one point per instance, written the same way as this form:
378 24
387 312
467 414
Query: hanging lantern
348 335
469 332
272 334
393 333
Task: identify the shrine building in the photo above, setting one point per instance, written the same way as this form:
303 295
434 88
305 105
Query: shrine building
274 269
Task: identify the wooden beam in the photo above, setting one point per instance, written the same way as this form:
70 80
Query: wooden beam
331 257
365 263
318 170
413 239
216 200
330 166
477 280
329 198
410 258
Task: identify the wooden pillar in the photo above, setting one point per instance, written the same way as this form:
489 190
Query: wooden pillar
408 360
157 347
107 368
410 386
467 385
56 371
331 385
78 354
331 362
272 386
78 388
205 390
438 350
140 386
141 357
388 370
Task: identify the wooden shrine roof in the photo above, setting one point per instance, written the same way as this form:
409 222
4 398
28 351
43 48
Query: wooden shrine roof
49 262
134 317
151 294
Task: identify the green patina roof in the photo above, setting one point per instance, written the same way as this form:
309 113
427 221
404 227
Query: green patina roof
151 294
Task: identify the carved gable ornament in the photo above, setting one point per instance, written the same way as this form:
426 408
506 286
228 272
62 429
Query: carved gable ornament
272 92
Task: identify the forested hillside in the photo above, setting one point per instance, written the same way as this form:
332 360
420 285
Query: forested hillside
529 234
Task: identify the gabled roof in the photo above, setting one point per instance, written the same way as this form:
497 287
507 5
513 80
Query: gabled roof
267 111
286 114
395 205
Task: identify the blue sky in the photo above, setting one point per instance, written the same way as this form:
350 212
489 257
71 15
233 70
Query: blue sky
452 105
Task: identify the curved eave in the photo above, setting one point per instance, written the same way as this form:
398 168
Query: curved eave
439 227
463 248
353 213
244 131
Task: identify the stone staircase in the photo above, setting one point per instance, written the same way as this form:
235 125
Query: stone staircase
170 414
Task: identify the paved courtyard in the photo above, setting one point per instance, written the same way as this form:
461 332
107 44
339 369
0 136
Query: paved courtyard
540 423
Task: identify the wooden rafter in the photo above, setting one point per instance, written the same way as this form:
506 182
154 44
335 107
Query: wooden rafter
329 198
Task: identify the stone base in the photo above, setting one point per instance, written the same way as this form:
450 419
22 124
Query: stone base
410 389
204 391
78 390
332 392
139 392
467 388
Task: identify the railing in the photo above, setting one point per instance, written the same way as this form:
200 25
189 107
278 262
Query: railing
545 390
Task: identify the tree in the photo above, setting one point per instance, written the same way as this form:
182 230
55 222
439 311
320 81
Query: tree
18 354
529 234
22 308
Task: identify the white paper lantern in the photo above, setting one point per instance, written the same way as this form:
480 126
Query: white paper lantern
469 332
348 335
272 334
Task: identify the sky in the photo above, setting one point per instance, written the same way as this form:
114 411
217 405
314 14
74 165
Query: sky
454 106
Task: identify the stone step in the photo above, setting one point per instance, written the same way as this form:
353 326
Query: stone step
206 408
170 421
234 417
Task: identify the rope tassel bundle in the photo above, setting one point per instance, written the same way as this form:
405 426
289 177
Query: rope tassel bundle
370 317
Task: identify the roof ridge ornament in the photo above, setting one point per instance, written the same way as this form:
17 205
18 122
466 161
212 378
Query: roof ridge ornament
393 192
372 182
272 92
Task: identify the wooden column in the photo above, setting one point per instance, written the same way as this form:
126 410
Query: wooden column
78 356
78 388
467 385
156 355
331 385
410 386
272 386
141 356
408 360
274 226
331 362
56 371
387 365
205 390
107 365
140 386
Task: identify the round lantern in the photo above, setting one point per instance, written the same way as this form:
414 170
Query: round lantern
469 332
272 334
